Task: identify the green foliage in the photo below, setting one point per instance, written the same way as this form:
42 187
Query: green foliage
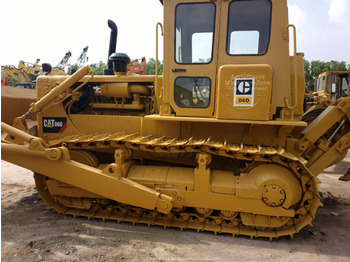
33 77
11 82
98 68
151 67
309 79
312 69
72 68
317 67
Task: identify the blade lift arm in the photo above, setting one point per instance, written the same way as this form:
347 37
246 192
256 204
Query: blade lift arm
57 164
56 95
326 140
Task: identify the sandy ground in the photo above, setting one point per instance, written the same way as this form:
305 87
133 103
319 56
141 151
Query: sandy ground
30 231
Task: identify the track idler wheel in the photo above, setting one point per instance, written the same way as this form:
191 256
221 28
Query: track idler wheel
67 199
277 185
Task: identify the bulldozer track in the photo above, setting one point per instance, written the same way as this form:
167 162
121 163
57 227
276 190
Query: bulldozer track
187 218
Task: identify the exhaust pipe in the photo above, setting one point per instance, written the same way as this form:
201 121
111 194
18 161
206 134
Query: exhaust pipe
112 46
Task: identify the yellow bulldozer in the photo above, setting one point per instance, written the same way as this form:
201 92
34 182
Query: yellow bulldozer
332 85
328 85
217 143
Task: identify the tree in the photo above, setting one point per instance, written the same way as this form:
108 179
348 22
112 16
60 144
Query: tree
11 82
98 68
72 69
151 67
313 69
309 79
337 66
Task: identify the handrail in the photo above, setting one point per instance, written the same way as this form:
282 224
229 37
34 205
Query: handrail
285 37
156 73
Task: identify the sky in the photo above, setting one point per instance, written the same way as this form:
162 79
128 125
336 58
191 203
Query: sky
323 28
48 29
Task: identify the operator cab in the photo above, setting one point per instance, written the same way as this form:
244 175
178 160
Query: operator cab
221 58
332 84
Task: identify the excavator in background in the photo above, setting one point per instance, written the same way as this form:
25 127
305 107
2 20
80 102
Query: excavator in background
18 76
37 69
134 67
217 143
64 61
21 75
14 100
82 59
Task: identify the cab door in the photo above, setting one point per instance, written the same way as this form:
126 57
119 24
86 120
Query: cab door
191 56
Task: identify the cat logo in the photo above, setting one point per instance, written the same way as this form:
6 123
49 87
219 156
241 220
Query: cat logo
243 92
54 124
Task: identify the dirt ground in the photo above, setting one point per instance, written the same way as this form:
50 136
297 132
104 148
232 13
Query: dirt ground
30 231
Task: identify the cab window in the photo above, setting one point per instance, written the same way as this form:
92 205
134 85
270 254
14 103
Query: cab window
192 92
329 84
344 80
194 33
248 31
320 83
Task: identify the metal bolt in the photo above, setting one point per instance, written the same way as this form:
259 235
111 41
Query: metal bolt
235 223
163 205
53 154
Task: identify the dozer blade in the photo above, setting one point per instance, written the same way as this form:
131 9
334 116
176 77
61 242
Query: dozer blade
346 176
56 163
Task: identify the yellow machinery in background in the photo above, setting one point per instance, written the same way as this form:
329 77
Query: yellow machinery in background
218 142
37 69
332 85
328 85
14 100
21 74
